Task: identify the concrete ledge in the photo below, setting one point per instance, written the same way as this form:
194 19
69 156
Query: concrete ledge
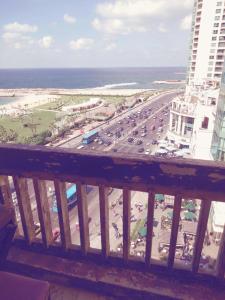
112 281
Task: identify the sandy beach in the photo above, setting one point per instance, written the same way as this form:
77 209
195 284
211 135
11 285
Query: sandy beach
34 97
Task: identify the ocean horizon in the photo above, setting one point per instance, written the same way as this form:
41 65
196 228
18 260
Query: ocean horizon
99 78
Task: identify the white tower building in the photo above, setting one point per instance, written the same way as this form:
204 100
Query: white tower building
207 55
207 47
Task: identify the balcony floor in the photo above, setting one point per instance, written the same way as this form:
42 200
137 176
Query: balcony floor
82 277
59 292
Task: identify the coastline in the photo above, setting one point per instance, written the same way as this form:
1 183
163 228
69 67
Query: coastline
35 97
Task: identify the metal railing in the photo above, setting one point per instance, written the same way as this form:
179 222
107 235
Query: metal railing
180 178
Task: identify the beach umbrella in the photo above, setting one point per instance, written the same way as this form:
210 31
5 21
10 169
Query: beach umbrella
179 153
159 197
162 142
170 214
161 151
189 216
190 206
171 148
143 231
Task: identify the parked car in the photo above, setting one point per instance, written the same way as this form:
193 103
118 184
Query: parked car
141 150
139 142
154 142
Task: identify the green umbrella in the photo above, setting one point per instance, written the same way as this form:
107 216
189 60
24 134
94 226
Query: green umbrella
170 214
190 206
143 231
159 197
190 216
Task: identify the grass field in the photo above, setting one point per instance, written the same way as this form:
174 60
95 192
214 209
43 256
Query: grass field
77 99
42 120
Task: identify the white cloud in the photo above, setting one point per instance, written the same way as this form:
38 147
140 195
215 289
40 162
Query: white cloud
186 22
162 28
81 43
22 28
10 36
110 47
127 16
141 8
46 42
111 26
117 26
17 40
69 19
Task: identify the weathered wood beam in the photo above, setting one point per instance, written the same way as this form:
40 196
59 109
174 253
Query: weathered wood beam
24 204
191 178
83 218
150 219
43 211
200 234
126 223
64 223
174 230
104 220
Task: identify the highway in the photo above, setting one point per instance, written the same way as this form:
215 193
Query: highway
141 126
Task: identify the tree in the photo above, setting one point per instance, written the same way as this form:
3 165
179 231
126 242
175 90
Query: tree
3 134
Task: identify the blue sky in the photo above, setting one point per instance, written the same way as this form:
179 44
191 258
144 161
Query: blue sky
94 33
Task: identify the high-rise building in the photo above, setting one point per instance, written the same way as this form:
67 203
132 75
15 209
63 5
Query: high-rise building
192 115
218 141
207 47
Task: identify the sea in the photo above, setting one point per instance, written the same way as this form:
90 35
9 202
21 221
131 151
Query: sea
99 78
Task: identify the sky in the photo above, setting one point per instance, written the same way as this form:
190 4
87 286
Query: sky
94 33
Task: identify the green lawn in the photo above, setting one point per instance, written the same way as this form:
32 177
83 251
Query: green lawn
41 118
77 99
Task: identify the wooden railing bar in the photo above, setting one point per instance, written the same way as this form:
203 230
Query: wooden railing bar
43 211
24 204
174 230
150 219
83 218
126 223
200 234
104 220
63 214
191 178
6 196
220 266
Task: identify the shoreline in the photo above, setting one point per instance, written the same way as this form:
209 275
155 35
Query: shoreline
31 98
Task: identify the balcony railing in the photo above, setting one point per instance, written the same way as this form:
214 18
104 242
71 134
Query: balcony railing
182 179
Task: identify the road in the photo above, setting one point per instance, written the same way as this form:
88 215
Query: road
154 103
136 124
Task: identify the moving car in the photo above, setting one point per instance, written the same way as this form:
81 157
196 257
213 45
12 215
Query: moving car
141 150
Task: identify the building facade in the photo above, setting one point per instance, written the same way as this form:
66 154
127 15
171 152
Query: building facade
207 46
192 116
218 141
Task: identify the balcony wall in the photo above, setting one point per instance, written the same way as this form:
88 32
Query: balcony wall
178 178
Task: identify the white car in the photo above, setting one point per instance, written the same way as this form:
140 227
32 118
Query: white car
80 147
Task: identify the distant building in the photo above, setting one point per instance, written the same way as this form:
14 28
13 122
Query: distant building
192 116
216 220
218 141
207 47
